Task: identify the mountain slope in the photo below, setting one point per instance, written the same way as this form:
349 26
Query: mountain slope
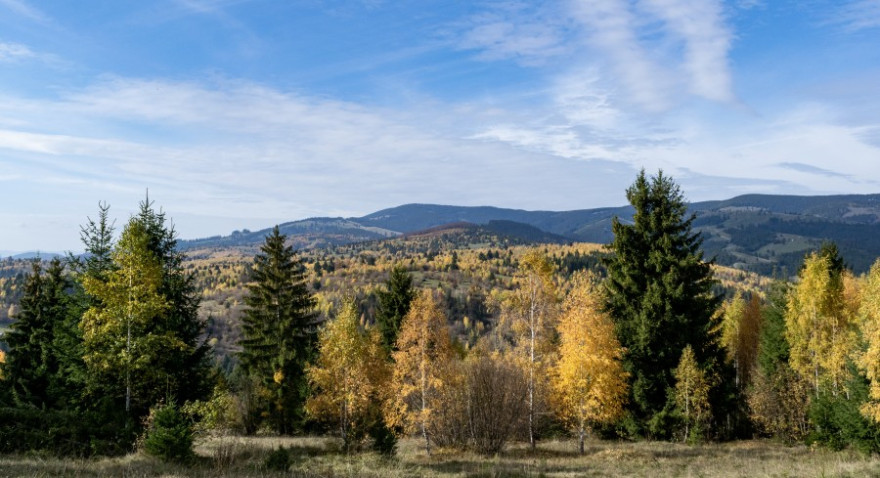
761 233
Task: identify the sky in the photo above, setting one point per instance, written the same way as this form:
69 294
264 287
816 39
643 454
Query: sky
238 114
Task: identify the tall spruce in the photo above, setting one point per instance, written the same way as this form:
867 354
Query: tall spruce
659 294
32 367
280 331
394 304
188 367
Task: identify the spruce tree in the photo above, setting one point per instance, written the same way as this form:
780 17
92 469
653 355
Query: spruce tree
189 367
279 330
27 367
44 369
659 293
394 304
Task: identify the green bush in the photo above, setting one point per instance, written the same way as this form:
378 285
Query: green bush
169 434
278 460
62 432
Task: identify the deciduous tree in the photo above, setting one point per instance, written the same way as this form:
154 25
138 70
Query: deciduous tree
421 362
692 388
819 327
588 380
121 353
531 311
350 376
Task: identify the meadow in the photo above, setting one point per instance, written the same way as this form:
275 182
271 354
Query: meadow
321 457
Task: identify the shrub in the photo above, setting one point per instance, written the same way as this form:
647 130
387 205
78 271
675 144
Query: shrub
169 434
278 460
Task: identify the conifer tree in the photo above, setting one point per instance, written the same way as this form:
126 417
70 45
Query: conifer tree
279 330
659 294
44 370
187 368
588 380
394 304
27 368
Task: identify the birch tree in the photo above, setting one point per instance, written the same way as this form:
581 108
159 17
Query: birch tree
589 382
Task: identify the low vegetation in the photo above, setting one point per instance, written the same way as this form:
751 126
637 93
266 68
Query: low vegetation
315 457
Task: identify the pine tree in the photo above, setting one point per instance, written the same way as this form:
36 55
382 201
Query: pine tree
659 294
350 376
279 330
420 365
394 304
588 380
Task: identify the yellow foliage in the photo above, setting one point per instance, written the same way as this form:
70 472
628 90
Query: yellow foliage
2 361
424 351
870 325
350 375
530 312
589 382
692 388
820 325
740 331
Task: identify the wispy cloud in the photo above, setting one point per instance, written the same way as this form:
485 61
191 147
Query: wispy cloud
707 42
612 28
857 15
530 33
809 169
21 8
14 51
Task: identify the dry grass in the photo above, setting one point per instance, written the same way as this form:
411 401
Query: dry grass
319 457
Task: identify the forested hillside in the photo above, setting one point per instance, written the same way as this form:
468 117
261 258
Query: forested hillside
760 233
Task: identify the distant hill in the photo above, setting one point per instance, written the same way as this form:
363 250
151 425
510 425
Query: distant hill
761 233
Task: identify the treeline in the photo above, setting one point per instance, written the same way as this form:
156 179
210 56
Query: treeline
112 348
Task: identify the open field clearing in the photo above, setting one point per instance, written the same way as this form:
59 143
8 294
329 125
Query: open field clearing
318 457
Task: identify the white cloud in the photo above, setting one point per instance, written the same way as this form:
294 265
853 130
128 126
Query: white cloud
700 25
612 28
21 8
859 14
528 33
14 51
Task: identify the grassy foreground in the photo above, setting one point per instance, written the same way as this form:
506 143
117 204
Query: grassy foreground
317 457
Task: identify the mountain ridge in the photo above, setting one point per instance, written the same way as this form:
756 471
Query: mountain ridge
757 232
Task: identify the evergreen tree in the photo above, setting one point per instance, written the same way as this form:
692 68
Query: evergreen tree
279 330
44 369
394 304
27 368
188 368
659 293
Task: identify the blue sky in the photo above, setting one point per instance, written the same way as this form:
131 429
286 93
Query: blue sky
237 113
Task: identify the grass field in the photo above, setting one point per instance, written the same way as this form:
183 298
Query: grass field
318 457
